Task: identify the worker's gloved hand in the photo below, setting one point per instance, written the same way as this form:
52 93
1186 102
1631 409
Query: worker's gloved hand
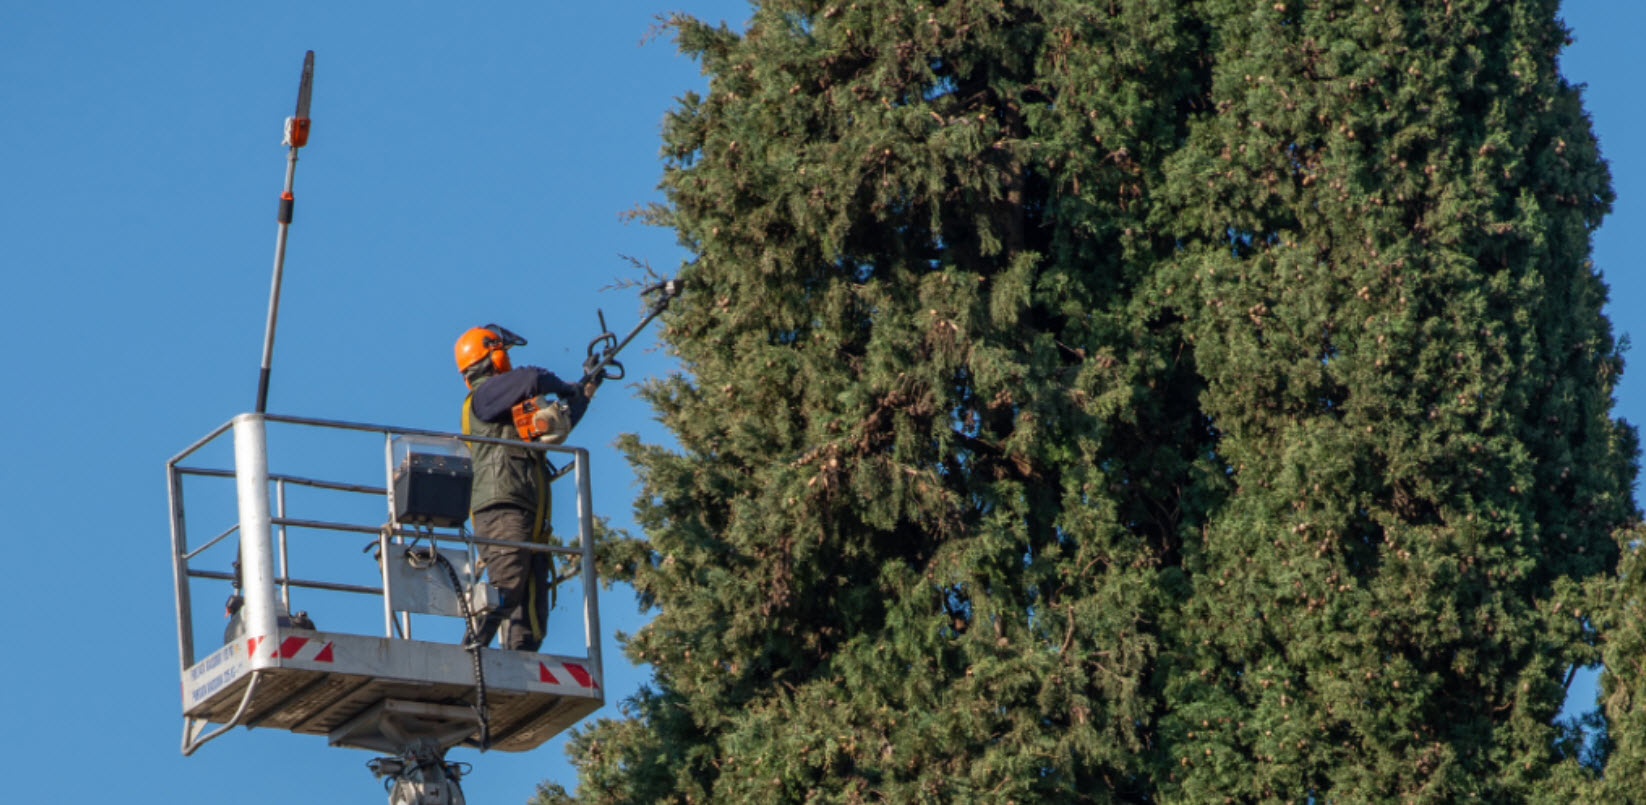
589 388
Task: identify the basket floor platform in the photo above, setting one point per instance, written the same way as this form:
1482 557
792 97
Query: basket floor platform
348 687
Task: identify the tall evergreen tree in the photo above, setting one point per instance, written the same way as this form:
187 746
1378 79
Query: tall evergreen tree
1124 401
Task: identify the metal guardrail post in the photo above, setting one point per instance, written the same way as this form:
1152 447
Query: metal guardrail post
383 573
285 570
383 537
585 533
180 569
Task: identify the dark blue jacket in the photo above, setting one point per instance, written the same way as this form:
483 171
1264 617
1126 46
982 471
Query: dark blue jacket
493 399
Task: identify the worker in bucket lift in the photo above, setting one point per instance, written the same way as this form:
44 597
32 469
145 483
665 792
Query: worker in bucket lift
510 499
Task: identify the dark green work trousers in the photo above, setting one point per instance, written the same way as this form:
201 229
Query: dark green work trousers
521 577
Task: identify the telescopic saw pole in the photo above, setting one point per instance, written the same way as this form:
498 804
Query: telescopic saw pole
297 135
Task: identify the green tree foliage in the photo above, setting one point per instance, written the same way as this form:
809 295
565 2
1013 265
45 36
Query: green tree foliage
1407 365
1125 401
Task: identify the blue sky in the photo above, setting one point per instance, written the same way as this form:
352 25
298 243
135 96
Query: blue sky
467 164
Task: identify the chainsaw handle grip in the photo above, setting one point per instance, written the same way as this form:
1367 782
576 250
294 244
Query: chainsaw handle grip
594 371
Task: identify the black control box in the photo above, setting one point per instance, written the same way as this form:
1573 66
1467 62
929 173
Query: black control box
432 489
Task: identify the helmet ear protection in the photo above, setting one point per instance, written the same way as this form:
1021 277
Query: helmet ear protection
491 342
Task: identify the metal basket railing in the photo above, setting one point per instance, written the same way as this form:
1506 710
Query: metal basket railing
264 540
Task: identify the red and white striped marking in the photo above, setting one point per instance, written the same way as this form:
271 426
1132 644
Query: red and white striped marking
291 648
564 673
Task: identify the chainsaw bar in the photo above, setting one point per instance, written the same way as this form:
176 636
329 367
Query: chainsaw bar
305 86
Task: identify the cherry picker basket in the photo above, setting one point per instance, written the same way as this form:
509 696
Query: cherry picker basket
324 673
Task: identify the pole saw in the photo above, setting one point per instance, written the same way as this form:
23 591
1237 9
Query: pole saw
549 420
297 135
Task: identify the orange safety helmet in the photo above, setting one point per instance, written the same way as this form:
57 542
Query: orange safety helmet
478 343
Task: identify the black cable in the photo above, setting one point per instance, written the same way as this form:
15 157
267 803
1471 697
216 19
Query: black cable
473 647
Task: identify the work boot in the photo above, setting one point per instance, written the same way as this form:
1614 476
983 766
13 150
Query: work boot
481 630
